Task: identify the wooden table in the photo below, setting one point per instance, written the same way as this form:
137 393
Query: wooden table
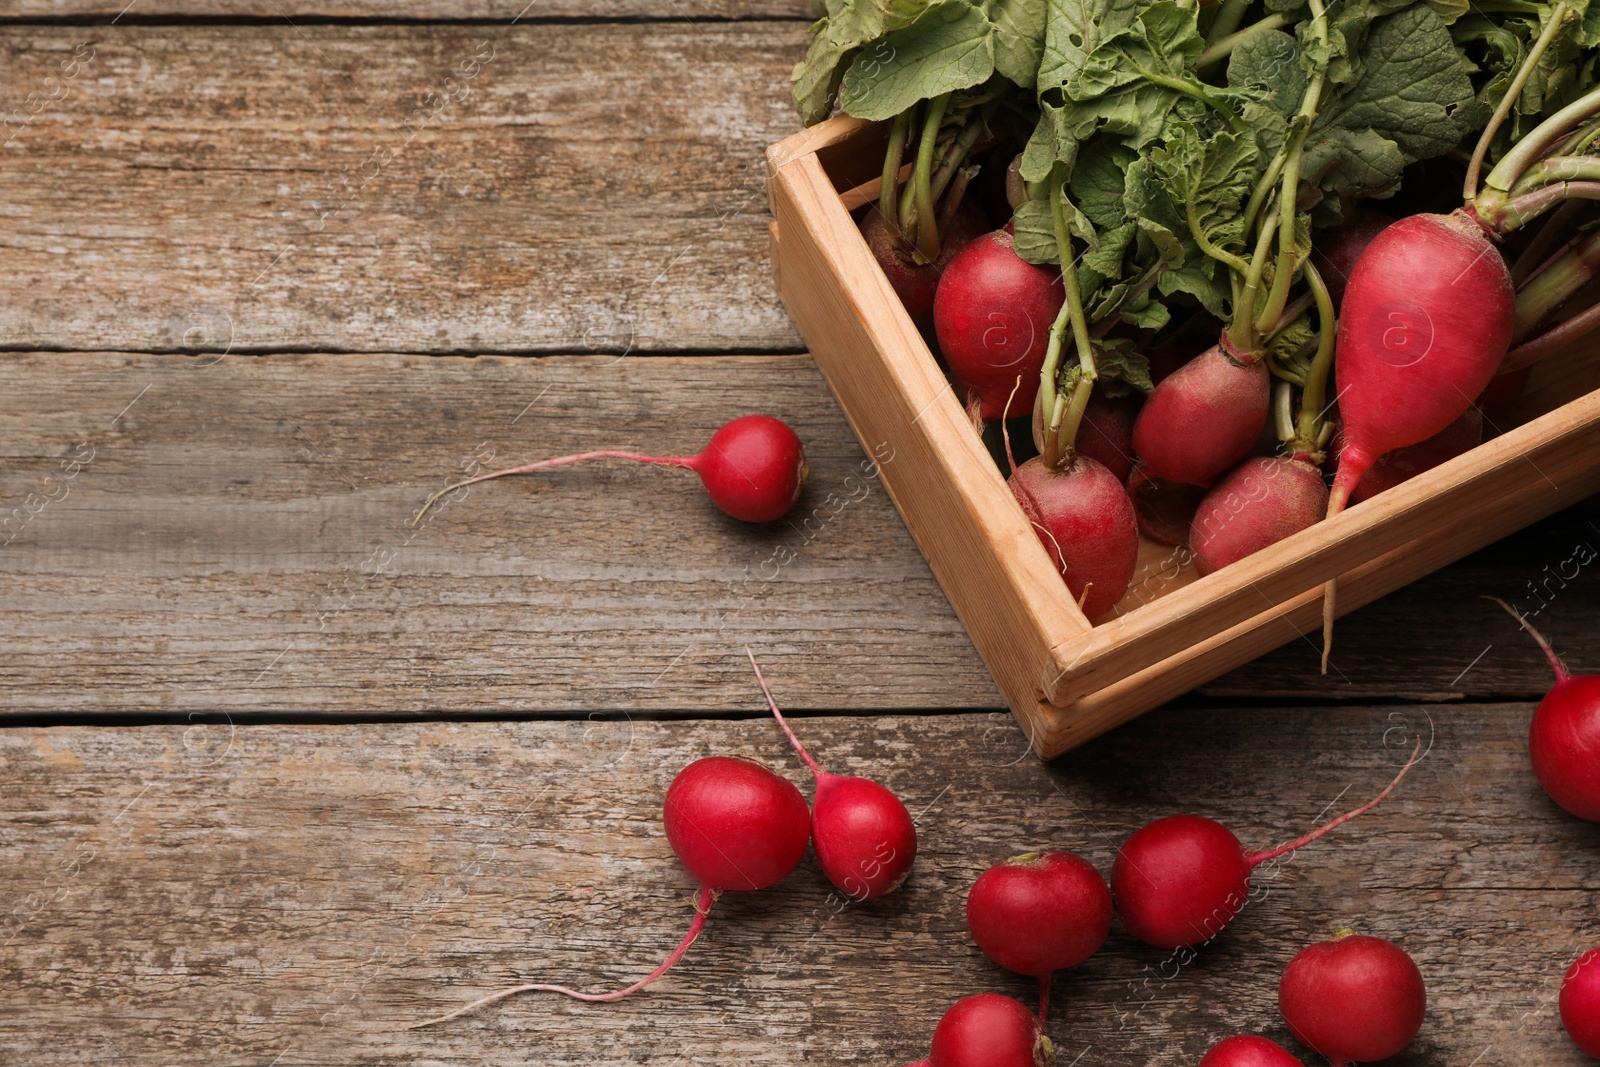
283 774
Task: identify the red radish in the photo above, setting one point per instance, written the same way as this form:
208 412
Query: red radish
992 315
1580 1002
1354 999
864 837
734 825
1203 418
1085 520
1259 503
1164 509
1039 913
1392 468
753 468
1182 879
1106 433
989 1030
1336 254
1247 1050
915 283
1564 738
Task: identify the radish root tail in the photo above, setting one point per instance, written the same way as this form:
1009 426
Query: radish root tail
1549 653
773 704
702 908
1257 858
560 461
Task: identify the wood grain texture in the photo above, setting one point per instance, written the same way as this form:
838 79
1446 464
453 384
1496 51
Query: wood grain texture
281 187
443 10
297 894
238 538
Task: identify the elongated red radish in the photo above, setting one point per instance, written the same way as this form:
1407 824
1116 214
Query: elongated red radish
1085 520
734 825
753 468
1564 737
1354 999
864 837
1258 503
1181 880
1248 1050
1039 913
1424 326
1335 254
1106 433
1580 1002
915 283
989 1030
1403 464
992 316
1203 418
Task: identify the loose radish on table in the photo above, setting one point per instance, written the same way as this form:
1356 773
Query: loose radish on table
734 825
863 835
1354 999
1564 737
992 317
1181 880
989 1030
1039 913
1580 1002
1247 1050
753 468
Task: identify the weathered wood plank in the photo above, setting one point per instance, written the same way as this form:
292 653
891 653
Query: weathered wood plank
234 534
443 10
298 894
393 187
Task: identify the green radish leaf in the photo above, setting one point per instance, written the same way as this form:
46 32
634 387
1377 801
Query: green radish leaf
1018 38
1099 180
849 26
1034 236
950 46
1120 371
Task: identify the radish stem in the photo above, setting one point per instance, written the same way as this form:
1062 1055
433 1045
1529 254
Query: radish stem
889 190
1557 16
1255 859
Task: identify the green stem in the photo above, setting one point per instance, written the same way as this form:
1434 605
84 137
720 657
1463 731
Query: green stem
1314 397
927 224
1504 215
957 155
1234 263
1241 333
1229 14
1557 169
1050 429
908 203
889 191
1558 15
1540 139
1219 49
1555 232
1283 411
1554 285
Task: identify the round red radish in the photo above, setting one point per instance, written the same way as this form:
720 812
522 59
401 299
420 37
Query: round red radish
990 1030
992 315
1106 432
1564 737
1085 520
1258 503
1403 464
1580 1002
1335 254
1425 323
863 835
736 825
1038 913
1181 880
1203 418
1247 1050
753 468
1354 999
915 283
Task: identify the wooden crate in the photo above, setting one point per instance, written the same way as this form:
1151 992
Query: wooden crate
1068 680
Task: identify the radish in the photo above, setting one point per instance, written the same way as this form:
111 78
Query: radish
1353 999
1181 880
989 1030
1247 1050
1564 737
1204 417
1106 433
734 825
1039 913
753 468
863 836
1336 258
1403 464
1259 503
915 283
992 315
1085 519
1580 1002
